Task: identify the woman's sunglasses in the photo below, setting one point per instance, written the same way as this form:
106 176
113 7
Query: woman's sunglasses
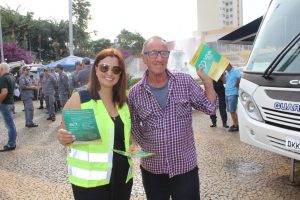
105 67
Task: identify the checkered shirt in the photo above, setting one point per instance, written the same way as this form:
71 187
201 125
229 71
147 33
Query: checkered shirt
168 132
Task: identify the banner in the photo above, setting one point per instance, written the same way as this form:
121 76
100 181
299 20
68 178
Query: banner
214 63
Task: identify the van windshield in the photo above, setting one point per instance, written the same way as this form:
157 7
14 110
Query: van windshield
280 26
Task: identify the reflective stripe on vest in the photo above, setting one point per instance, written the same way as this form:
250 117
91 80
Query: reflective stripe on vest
88 174
89 157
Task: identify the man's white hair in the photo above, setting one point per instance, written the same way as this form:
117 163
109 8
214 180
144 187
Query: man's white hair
5 67
150 39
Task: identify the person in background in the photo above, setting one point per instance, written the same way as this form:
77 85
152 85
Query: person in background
57 105
94 170
74 77
27 88
50 87
7 86
83 75
41 92
63 85
161 116
220 90
232 80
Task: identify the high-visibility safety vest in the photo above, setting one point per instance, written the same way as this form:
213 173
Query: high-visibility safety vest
90 165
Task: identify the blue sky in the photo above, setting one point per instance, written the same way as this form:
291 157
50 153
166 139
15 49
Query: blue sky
171 19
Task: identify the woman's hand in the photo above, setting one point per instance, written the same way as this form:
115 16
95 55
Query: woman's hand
64 137
134 148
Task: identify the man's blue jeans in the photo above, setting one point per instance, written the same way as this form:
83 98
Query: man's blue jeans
5 110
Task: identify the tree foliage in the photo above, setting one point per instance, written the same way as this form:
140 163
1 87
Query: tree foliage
14 53
49 39
130 41
100 44
81 12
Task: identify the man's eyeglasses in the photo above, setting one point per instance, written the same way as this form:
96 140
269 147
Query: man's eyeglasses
105 67
154 54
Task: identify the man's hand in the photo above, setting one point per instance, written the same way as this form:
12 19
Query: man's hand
208 85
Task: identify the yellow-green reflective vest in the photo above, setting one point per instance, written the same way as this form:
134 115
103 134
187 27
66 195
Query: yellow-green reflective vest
90 165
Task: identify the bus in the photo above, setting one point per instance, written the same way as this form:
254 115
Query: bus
269 96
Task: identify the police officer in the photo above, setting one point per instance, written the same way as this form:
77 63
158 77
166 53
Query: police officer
41 95
63 85
50 85
74 76
27 94
83 75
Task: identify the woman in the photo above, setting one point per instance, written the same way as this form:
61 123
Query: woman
94 170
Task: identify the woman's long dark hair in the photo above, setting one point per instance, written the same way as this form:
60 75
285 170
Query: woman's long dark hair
119 90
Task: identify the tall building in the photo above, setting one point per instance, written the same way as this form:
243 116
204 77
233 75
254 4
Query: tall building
219 14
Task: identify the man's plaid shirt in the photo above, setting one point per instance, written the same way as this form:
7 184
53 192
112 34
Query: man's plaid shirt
168 132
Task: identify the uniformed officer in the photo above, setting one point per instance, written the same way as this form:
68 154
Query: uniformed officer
83 75
50 85
74 77
27 94
63 85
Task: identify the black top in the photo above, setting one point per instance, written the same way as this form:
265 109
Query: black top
8 81
219 87
119 142
118 185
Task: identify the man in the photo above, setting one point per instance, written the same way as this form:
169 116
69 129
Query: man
161 110
27 94
220 90
83 75
7 86
50 87
41 94
232 81
63 85
74 76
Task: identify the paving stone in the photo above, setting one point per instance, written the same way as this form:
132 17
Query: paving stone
228 168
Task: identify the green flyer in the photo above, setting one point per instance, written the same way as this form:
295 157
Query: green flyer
82 124
138 154
214 63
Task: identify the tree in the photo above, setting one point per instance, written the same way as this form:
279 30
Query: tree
15 25
81 12
130 41
100 44
14 53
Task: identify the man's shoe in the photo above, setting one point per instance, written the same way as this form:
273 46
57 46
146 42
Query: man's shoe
8 148
213 125
225 126
32 126
233 129
53 119
49 118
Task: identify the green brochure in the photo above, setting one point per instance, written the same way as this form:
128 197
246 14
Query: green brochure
214 63
138 154
82 124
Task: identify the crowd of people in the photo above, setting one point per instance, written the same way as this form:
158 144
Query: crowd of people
155 117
